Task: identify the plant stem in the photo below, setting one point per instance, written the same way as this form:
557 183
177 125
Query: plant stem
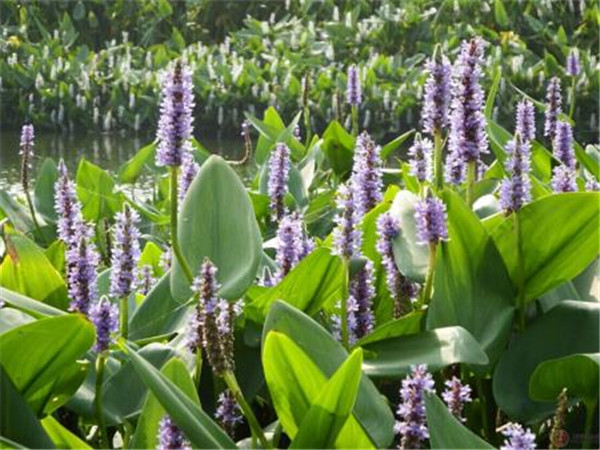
307 129
34 217
485 420
198 372
438 161
124 315
521 269
573 92
590 408
354 121
103 436
276 435
234 388
344 311
471 172
430 274
174 239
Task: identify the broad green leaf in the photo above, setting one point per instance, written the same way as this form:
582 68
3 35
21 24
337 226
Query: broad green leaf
500 14
43 195
393 145
16 213
404 326
18 422
24 258
338 147
472 288
445 430
29 305
315 281
60 436
332 407
371 410
272 130
66 385
34 355
217 221
578 373
491 98
132 169
146 432
570 327
437 348
552 254
12 318
96 191
193 421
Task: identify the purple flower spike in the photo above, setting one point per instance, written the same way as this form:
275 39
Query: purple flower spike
126 253
456 170
70 220
518 438
421 162
26 152
412 423
401 290
279 170
515 190
468 137
105 317
573 65
455 396
436 102
146 279
189 169
563 179
563 144
228 412
347 237
82 262
430 216
553 107
353 92
592 185
366 179
170 436
292 244
525 120
175 123
362 290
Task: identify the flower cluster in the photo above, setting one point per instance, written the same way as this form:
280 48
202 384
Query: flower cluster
170 436
455 396
431 220
145 279
562 145
228 412
525 123
71 225
515 190
353 91
347 237
553 107
26 152
175 123
292 244
126 253
279 170
563 179
573 64
436 103
517 438
105 317
189 169
82 263
421 162
361 294
366 178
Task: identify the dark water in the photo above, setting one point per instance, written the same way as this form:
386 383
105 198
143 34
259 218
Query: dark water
108 151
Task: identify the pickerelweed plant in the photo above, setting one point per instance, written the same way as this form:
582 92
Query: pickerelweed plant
331 289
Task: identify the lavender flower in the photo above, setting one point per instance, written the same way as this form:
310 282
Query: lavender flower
165 259
126 253
175 123
347 237
557 432
468 137
592 185
553 107
525 120
228 412
279 169
353 92
292 244
70 220
82 262
105 317
430 216
362 291
563 179
26 152
170 436
400 288
456 170
515 190
436 102
366 179
455 396
518 438
412 423
189 169
573 65
145 279
563 144
421 163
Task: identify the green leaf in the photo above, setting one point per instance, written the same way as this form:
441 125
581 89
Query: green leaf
195 423
43 196
338 147
491 98
552 254
12 318
500 14
29 305
34 355
96 191
371 410
578 373
332 407
445 430
437 348
16 213
66 385
17 421
217 221
25 258
62 437
146 432
393 145
132 169
315 281
472 288
404 326
570 327
273 130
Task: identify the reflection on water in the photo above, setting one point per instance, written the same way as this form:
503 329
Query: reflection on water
108 151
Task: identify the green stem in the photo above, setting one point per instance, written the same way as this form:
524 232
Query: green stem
276 435
590 408
174 239
521 269
573 92
198 372
471 172
124 315
344 311
485 420
354 121
307 128
430 274
34 217
103 436
438 161
234 388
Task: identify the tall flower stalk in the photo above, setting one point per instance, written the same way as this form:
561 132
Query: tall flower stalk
421 154
553 107
277 186
367 177
573 70
306 106
26 152
354 95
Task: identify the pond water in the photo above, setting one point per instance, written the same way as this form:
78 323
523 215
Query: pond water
108 151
